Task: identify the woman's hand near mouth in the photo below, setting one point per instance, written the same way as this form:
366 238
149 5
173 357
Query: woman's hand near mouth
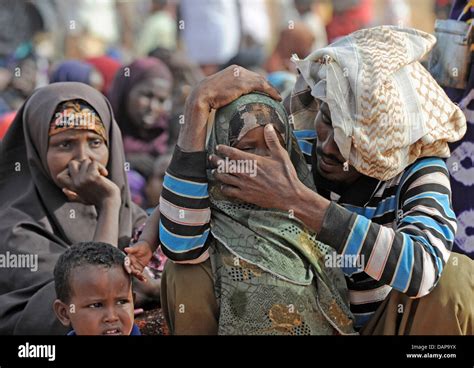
86 182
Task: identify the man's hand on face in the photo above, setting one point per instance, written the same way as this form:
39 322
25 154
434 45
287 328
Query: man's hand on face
274 184
222 88
213 92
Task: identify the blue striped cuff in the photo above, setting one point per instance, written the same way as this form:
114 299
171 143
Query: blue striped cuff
181 244
185 188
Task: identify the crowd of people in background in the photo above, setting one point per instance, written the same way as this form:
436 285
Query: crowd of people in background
177 42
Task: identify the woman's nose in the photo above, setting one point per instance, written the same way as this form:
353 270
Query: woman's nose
82 152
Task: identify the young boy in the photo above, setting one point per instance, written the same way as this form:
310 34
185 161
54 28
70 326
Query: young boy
94 291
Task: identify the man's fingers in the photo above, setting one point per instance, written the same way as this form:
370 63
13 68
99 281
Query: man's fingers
267 88
272 141
230 191
227 179
258 83
234 153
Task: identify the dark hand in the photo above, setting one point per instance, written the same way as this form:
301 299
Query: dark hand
86 182
229 84
138 256
275 185
214 92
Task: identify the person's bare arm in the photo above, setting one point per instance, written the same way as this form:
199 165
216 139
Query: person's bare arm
150 231
107 229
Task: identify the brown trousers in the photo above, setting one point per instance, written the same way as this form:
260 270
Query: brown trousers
188 300
190 307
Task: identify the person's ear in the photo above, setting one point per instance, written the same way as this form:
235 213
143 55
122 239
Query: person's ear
62 312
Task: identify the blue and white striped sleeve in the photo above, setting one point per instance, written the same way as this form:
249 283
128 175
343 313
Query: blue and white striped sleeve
411 256
185 209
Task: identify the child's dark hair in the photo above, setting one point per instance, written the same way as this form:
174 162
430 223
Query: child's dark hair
82 254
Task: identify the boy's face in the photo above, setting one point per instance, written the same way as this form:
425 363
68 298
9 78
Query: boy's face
101 301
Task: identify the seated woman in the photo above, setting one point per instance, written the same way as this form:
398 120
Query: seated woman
256 271
62 181
140 96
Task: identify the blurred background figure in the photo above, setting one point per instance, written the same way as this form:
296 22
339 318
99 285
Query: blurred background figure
349 16
295 40
283 81
141 97
159 29
18 77
107 67
210 31
186 75
154 184
77 71
310 13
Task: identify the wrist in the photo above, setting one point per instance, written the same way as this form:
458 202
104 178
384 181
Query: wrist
310 208
192 135
151 243
196 102
109 203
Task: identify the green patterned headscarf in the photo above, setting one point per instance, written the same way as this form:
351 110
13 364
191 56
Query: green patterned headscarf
269 270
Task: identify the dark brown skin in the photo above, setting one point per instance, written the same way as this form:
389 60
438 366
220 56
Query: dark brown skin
140 254
276 184
101 302
147 101
76 160
330 163
213 92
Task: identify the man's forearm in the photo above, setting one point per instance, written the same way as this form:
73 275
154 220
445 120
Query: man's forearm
192 136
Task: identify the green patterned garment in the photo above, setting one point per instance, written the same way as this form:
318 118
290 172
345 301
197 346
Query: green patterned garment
269 270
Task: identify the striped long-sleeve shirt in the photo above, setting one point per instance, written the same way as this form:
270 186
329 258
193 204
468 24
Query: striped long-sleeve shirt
393 234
